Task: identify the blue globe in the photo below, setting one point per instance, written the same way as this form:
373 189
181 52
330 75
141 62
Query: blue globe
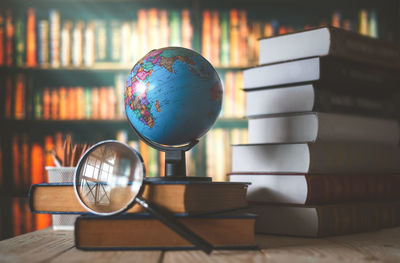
173 96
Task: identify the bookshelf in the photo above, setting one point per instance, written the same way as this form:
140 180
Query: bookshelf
234 28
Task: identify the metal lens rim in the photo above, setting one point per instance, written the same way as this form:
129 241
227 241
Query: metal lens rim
77 174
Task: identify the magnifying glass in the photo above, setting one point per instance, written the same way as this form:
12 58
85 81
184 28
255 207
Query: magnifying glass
109 180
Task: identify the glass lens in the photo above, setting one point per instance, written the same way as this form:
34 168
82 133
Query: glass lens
109 177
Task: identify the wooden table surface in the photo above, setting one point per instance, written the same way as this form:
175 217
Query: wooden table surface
58 246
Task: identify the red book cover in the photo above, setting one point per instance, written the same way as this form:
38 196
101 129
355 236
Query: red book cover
206 49
95 104
37 163
9 38
31 38
19 98
55 104
8 97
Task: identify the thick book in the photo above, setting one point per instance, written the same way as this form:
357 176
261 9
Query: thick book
325 220
312 189
320 157
313 97
319 126
329 41
232 231
326 70
182 197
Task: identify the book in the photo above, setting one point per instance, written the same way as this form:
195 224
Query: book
312 189
182 197
318 126
319 158
330 41
54 22
325 220
20 42
43 43
314 97
326 70
145 232
31 60
9 38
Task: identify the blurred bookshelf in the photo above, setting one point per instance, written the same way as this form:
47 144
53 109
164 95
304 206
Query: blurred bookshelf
63 66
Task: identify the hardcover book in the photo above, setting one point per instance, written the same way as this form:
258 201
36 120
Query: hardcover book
313 189
232 231
325 220
182 197
329 41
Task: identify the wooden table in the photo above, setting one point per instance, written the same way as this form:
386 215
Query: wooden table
58 246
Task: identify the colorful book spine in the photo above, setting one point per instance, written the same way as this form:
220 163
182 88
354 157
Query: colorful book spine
9 46
43 43
77 44
215 38
19 42
100 40
2 39
116 44
206 48
175 28
19 97
66 44
31 38
54 21
89 46
187 29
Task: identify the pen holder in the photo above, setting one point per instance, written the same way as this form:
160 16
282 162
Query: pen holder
62 175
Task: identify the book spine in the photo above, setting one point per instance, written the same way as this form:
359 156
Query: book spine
225 50
2 39
340 220
332 189
66 48
19 98
352 46
43 48
77 44
234 37
89 45
54 18
19 42
31 38
338 72
187 29
326 100
206 48
9 44
175 26
215 38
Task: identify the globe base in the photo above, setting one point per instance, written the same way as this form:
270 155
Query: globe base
178 179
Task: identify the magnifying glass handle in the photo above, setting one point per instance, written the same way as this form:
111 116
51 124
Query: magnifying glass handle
177 226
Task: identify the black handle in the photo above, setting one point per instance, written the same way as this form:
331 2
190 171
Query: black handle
177 226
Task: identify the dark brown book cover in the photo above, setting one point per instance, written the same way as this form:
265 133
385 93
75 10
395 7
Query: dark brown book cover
145 232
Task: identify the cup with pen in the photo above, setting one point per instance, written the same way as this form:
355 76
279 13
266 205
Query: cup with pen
63 173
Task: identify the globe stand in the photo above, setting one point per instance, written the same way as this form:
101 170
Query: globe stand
175 161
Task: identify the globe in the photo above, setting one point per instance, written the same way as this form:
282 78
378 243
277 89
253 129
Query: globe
173 96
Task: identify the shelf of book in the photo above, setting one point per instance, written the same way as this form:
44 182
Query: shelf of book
54 52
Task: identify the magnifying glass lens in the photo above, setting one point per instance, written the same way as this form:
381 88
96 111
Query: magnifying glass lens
109 177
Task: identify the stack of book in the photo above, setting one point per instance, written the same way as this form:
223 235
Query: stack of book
204 207
323 155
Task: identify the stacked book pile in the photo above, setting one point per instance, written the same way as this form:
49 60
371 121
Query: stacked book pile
323 154
204 207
